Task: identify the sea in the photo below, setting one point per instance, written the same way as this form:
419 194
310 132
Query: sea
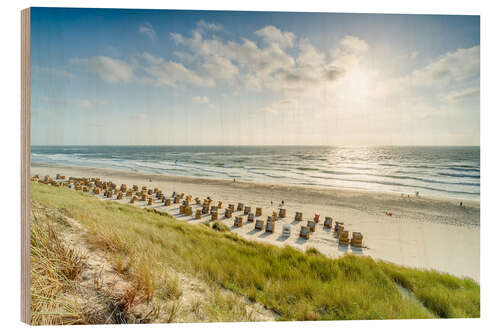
437 171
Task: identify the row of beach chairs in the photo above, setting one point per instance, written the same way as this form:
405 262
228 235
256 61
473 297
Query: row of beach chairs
111 190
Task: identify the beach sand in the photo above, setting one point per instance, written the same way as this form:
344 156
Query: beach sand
424 232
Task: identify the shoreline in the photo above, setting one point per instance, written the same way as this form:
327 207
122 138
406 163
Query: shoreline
221 181
424 232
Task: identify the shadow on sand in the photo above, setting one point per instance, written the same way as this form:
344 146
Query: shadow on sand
301 240
357 250
282 238
265 235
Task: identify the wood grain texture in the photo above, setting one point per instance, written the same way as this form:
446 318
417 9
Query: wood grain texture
25 165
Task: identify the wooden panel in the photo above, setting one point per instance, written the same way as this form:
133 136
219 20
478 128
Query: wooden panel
25 165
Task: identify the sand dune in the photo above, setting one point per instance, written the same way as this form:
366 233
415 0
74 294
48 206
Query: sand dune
424 232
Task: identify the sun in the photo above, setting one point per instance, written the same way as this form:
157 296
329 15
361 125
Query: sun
357 86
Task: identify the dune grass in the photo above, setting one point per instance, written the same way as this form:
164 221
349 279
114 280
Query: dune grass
54 269
296 285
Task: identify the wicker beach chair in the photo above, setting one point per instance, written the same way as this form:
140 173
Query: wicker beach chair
275 216
215 215
287 230
298 216
167 202
312 225
259 225
316 218
231 206
328 222
240 207
304 232
247 210
343 237
282 213
258 211
270 224
198 214
251 217
150 201
238 221
357 239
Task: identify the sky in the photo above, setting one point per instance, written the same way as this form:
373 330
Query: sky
161 77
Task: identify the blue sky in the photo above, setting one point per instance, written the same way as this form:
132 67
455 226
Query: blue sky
243 78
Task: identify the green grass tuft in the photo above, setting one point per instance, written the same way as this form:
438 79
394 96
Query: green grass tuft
219 226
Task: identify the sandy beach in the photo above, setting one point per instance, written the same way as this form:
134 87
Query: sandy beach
424 232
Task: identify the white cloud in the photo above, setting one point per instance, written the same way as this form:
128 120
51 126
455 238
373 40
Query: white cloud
148 30
272 66
172 73
354 44
184 56
72 102
462 95
451 67
151 59
201 100
221 68
309 56
209 26
53 71
177 37
273 35
108 69
285 105
246 54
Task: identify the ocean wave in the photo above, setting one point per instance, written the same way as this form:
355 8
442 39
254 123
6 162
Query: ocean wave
460 175
444 171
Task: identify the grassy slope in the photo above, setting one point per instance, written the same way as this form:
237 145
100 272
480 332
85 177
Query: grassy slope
298 286
54 269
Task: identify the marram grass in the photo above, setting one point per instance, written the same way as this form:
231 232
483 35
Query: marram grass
295 285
